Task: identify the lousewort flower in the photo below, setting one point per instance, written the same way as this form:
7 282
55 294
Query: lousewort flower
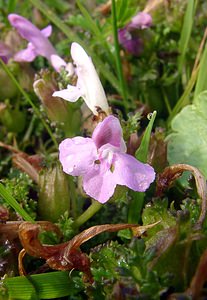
38 42
103 163
129 36
88 84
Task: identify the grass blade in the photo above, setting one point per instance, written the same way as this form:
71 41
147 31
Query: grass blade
118 57
9 199
186 32
41 286
201 83
137 201
141 153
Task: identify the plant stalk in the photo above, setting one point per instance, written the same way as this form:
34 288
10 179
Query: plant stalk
87 214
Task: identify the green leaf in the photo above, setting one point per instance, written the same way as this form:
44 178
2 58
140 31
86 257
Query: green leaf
141 153
186 32
42 286
188 142
126 9
9 199
201 83
137 201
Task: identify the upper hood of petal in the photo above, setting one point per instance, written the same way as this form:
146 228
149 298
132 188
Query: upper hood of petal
109 131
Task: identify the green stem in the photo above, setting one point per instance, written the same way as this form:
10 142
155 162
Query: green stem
101 65
9 199
166 101
87 214
184 99
27 98
118 57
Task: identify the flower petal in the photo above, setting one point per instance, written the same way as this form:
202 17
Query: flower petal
109 131
141 21
72 93
47 31
32 34
57 62
88 80
132 173
77 155
99 184
28 54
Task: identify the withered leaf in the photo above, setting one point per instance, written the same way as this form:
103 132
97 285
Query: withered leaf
170 174
68 256
30 164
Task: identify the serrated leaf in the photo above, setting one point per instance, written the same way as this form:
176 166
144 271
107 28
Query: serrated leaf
188 142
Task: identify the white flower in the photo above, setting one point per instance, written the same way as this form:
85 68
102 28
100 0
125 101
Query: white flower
88 85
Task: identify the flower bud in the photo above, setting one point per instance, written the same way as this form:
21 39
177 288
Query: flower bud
54 195
57 109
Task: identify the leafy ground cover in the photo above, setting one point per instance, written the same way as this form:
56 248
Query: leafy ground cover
103 149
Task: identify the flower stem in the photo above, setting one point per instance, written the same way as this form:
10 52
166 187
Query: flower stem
86 215
118 57
28 99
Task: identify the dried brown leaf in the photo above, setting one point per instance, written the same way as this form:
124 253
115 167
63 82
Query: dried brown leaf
68 256
170 174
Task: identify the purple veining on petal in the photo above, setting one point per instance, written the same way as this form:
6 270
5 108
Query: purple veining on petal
103 163
109 131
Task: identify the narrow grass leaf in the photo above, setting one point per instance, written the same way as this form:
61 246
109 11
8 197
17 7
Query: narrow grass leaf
186 32
9 199
137 199
141 153
118 57
41 286
201 83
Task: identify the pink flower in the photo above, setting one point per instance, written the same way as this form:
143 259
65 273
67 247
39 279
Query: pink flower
38 42
129 36
103 163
